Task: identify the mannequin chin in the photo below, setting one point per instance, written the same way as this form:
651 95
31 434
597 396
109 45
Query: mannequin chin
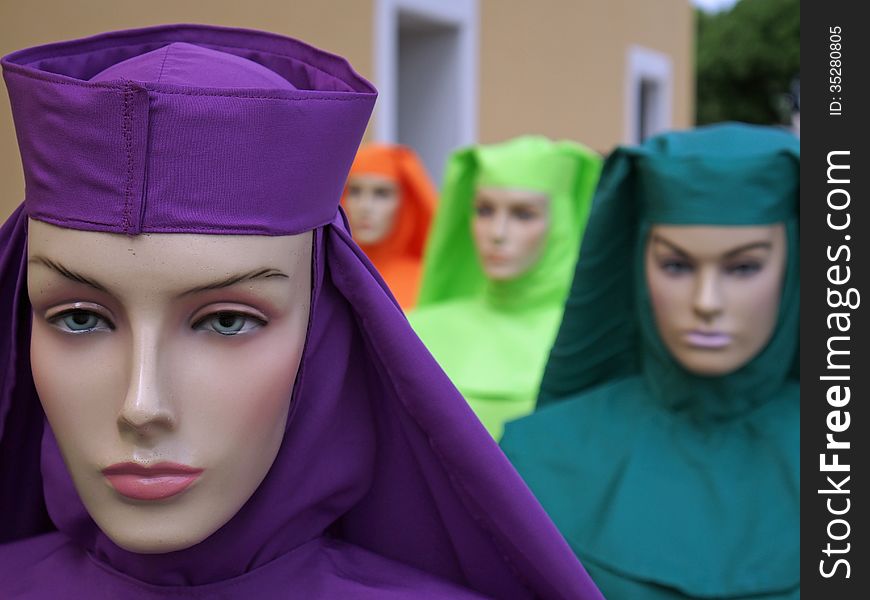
372 204
510 229
165 365
715 292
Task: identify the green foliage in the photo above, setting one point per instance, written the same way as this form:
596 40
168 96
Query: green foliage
746 59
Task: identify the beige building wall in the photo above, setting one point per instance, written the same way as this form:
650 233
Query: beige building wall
553 67
340 26
557 67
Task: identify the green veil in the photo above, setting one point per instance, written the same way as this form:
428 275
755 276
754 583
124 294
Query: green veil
491 337
666 483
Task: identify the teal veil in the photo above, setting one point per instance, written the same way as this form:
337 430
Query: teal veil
671 484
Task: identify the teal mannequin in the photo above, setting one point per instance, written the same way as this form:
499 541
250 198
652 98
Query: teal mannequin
671 484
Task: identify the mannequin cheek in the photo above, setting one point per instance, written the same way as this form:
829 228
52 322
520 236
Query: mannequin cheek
387 216
659 299
669 303
80 380
356 208
242 388
536 239
479 234
757 312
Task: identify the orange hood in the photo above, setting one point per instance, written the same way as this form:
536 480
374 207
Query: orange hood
398 257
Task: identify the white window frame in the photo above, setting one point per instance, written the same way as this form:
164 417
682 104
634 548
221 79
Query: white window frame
460 13
651 65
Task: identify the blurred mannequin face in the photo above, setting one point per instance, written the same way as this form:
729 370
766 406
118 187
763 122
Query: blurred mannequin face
715 292
510 229
165 364
372 203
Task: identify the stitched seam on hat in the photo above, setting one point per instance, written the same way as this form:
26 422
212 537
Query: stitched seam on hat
256 229
248 96
359 96
127 129
163 63
211 46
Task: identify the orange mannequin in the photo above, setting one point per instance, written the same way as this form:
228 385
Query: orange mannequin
390 201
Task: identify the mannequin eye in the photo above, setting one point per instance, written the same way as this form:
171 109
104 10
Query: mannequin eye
229 323
383 192
675 266
81 321
484 209
524 213
745 268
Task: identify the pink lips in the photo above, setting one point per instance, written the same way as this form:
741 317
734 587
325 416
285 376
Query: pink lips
705 339
152 482
497 258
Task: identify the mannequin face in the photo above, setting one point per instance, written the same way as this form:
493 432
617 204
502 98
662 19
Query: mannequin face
372 203
165 364
510 229
715 292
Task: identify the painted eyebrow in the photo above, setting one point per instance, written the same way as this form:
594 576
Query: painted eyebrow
68 273
533 204
730 253
536 201
263 273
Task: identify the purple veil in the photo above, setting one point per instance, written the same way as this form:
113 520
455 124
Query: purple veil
385 485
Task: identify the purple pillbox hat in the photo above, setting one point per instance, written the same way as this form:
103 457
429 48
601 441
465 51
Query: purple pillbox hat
162 154
385 485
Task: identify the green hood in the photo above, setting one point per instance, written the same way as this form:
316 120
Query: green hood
567 172
656 475
506 328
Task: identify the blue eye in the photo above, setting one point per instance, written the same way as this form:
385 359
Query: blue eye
744 269
229 323
675 267
81 321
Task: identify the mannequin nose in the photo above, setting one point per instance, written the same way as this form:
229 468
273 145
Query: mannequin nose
146 411
366 201
499 227
708 295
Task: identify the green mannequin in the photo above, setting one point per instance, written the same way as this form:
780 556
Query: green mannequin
673 468
490 326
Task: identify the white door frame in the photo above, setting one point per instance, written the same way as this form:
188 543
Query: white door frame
462 14
651 65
